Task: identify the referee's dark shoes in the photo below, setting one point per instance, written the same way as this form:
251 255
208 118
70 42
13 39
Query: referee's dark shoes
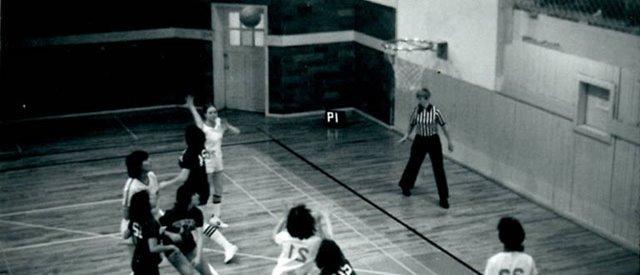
444 204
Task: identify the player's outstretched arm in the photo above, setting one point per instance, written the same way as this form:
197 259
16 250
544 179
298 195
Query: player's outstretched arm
231 128
155 247
192 108
325 229
281 224
180 178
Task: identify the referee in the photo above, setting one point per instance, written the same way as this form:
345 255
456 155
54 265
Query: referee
425 118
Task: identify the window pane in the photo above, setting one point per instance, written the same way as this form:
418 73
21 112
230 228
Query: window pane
261 24
259 38
234 37
234 19
598 107
247 38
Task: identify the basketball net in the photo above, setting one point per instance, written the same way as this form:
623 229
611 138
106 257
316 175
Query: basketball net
408 76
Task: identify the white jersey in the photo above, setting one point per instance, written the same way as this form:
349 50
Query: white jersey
511 263
133 186
213 143
297 256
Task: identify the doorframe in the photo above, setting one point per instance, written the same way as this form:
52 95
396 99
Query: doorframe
218 42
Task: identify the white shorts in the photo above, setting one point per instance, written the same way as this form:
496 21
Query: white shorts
214 163
125 233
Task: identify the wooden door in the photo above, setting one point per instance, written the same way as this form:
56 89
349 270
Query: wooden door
243 63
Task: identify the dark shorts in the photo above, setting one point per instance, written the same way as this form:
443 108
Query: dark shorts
146 266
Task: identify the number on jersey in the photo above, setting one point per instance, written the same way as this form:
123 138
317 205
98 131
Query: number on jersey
301 255
345 270
137 232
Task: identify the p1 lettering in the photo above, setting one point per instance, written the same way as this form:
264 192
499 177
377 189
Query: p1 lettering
332 116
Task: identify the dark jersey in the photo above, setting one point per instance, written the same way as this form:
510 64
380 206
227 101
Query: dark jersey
182 222
197 180
345 269
141 233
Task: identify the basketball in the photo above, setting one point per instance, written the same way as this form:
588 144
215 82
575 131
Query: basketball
250 16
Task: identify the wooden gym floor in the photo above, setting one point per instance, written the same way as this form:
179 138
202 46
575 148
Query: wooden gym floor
61 183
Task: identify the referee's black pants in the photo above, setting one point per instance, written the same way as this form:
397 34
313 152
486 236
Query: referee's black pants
420 147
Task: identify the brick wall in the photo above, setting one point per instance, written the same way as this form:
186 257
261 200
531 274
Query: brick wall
374 89
307 78
304 16
302 78
374 76
375 20
31 18
86 78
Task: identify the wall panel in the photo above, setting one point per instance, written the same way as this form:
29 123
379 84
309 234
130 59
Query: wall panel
625 190
629 97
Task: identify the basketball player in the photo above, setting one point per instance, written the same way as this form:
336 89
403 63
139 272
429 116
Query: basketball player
146 235
140 178
180 221
214 128
299 241
193 176
512 260
331 261
426 118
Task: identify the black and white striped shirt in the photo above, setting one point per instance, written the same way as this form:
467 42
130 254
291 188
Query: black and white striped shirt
425 119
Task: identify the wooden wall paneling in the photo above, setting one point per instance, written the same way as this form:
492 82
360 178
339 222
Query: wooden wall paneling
539 65
592 181
513 67
527 79
485 127
467 114
501 142
520 175
600 71
629 97
552 161
570 86
625 190
533 130
557 71
562 163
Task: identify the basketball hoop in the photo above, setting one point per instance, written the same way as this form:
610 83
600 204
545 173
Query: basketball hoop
409 75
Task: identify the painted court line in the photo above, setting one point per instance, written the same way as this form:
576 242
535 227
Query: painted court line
342 220
250 196
19 149
38 245
276 217
69 206
94 236
126 128
272 259
77 205
6 262
51 228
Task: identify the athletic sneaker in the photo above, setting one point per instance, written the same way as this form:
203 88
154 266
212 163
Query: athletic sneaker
215 221
229 253
444 204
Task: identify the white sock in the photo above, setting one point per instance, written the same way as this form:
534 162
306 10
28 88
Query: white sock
209 229
216 209
218 238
